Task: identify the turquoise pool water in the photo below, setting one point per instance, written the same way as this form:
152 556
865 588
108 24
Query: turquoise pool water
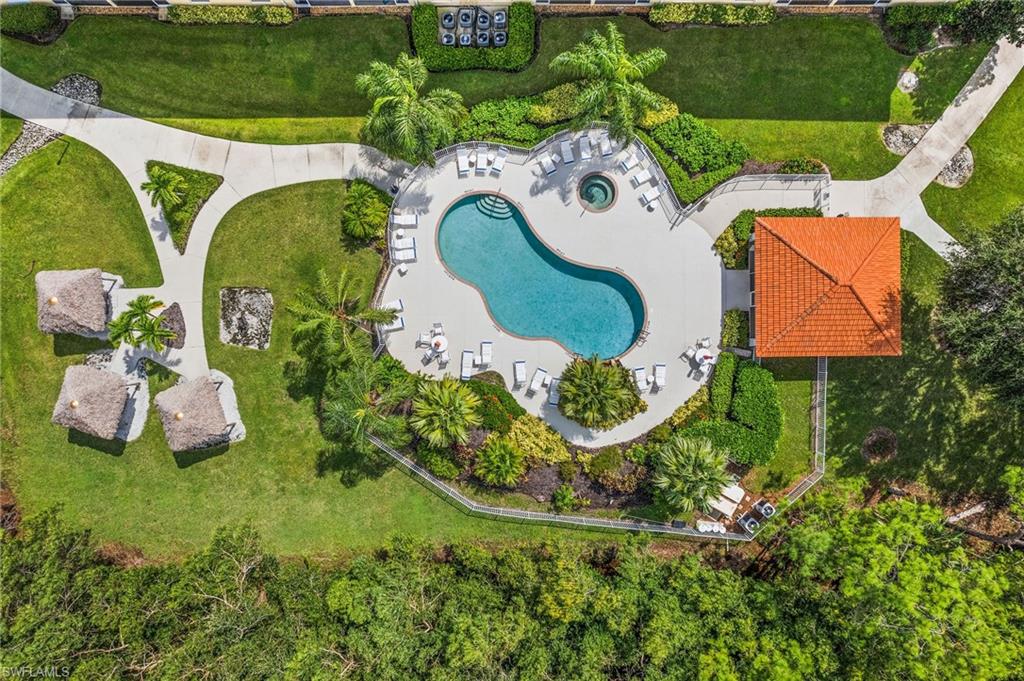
530 290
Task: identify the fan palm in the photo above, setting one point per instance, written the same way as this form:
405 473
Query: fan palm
403 122
611 77
327 315
164 187
596 394
500 463
362 403
690 473
444 411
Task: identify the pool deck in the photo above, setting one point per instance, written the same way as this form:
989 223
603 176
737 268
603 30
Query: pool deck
675 269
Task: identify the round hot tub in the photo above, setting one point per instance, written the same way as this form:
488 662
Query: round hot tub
597 192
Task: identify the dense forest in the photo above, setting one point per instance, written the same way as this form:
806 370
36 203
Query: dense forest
888 592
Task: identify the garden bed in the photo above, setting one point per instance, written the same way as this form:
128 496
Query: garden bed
199 186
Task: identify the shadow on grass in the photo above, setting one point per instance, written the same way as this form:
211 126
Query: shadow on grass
950 436
304 380
80 439
352 464
65 344
187 459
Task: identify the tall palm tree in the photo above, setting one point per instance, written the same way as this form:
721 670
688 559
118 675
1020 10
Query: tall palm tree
689 473
444 411
164 187
361 402
328 314
403 122
611 78
138 326
596 394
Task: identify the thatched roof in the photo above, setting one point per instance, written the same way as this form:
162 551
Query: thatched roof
192 415
71 301
91 401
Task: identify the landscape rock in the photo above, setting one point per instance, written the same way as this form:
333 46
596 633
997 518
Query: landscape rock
908 82
900 139
172 318
246 314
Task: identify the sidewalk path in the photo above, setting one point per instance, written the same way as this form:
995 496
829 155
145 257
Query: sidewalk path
247 169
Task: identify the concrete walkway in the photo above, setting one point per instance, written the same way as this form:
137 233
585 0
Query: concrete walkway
247 169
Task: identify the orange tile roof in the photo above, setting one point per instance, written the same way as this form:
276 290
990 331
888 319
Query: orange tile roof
827 286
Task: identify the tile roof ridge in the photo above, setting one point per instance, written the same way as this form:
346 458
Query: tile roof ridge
871 315
874 248
800 318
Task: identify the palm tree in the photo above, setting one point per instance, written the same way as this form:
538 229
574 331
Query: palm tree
164 187
597 394
327 316
151 332
611 80
690 473
402 122
500 463
444 411
361 402
138 326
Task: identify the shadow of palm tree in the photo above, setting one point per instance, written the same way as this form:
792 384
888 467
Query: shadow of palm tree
352 464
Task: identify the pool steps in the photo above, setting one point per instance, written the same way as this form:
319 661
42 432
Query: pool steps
494 207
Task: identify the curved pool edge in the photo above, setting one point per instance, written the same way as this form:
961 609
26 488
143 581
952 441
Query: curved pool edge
641 332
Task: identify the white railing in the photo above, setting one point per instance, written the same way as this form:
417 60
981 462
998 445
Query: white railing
822 183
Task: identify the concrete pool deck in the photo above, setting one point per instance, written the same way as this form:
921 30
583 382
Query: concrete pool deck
677 272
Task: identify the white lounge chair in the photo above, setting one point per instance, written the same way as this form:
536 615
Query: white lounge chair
604 143
553 393
405 219
402 244
650 195
518 373
444 358
539 377
462 161
585 153
397 325
499 161
467 365
734 493
395 305
628 163
643 177
404 255
486 349
567 155
547 164
482 164
640 376
659 375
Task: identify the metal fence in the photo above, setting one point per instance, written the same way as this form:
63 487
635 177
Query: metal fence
471 507
822 184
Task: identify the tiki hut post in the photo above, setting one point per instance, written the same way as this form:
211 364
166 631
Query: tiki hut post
91 401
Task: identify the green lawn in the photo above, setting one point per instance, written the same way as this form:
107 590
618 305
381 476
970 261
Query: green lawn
997 186
808 86
10 128
952 435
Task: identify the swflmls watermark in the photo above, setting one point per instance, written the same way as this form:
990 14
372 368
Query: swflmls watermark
40 672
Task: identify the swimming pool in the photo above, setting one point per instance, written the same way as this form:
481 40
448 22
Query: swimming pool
531 291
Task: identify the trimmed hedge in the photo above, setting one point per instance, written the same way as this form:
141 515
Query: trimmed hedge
497 409
31 19
180 217
697 146
501 120
440 462
516 55
686 188
731 244
722 384
719 15
560 103
735 328
222 14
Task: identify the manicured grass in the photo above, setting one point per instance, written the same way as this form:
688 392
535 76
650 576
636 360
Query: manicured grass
274 130
942 73
795 458
952 435
997 186
10 128
199 186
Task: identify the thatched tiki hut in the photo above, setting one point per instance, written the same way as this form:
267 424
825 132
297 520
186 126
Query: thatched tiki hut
71 301
192 415
91 401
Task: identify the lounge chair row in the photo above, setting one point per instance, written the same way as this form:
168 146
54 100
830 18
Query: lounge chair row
399 322
645 176
485 159
657 380
471 361
565 151
541 379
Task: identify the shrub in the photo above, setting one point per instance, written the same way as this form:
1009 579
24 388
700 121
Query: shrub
567 470
30 19
560 103
564 498
801 166
639 454
721 384
659 433
686 189
221 14
735 328
497 409
500 463
513 57
598 394
199 187
698 407
364 211
721 15
501 120
732 244
439 462
655 117
697 146
607 460
538 441
911 25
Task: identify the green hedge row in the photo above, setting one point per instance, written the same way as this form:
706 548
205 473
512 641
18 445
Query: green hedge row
516 54
731 244
219 14
752 435
697 146
722 384
686 188
31 19
735 328
719 15
912 25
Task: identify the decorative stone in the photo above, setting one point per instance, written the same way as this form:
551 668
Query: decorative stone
908 81
246 315
900 139
173 319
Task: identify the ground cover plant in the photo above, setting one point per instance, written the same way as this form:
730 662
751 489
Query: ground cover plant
28 19
706 13
181 193
515 55
206 14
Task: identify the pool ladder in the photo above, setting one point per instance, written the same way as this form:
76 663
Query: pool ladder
494 207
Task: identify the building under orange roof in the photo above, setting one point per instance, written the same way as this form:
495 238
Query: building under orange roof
826 287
